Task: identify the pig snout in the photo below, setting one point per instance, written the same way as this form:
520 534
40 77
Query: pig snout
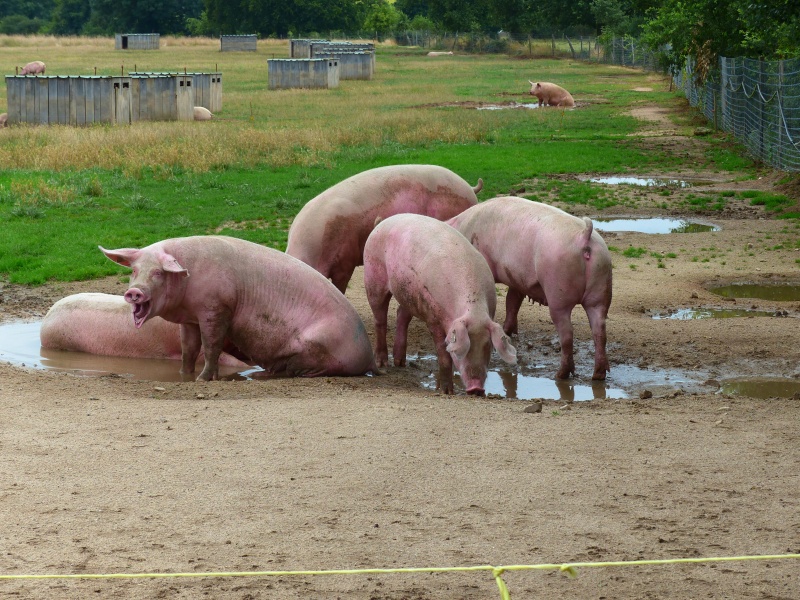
140 305
476 391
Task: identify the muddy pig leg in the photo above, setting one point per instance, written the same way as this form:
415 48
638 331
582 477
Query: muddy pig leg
404 317
514 299
597 321
561 319
444 380
190 347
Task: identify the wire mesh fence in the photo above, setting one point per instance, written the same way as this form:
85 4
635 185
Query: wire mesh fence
756 101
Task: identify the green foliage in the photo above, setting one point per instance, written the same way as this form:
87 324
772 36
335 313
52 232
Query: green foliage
632 252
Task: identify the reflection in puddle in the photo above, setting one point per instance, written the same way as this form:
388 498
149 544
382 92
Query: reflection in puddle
654 225
510 384
648 181
686 314
507 106
19 344
762 388
776 291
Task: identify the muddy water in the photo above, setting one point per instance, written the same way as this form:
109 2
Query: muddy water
653 225
19 344
686 314
780 292
507 106
764 387
649 181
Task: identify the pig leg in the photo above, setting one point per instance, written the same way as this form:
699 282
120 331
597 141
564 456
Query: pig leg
561 319
404 317
212 334
379 302
190 347
444 381
514 300
340 276
597 321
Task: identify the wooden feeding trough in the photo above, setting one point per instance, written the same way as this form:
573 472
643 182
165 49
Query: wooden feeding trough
238 43
288 73
137 41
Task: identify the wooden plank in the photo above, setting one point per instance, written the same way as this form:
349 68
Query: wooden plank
13 99
63 101
42 104
88 93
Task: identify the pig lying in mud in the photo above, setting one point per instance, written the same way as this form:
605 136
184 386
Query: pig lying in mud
550 256
437 276
101 324
278 312
551 94
36 67
330 231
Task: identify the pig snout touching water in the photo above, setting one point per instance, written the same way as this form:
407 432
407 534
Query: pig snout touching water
101 324
551 94
278 312
36 67
550 256
437 276
330 231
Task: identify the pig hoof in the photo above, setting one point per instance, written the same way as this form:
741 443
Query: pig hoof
599 376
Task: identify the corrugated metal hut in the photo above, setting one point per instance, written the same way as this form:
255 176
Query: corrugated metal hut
301 48
288 73
137 41
207 87
238 43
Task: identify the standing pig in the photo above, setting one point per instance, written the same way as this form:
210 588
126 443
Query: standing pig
278 312
33 68
330 231
437 276
101 324
550 256
551 94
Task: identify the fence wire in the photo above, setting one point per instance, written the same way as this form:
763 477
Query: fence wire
756 101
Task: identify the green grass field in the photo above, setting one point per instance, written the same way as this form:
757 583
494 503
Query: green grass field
64 190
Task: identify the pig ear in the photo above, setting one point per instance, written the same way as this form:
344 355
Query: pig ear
502 344
123 256
170 264
458 340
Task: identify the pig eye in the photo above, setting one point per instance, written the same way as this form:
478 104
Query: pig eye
158 273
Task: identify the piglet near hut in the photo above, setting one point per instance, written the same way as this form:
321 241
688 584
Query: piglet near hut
330 231
278 312
550 256
437 276
36 67
201 113
101 324
551 94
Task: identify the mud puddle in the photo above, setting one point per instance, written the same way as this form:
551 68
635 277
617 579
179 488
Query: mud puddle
653 225
20 345
778 292
762 387
687 314
650 181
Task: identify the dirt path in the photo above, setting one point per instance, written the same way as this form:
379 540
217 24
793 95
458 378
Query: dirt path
110 475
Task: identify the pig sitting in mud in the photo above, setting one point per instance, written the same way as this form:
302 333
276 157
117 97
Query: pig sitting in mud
36 67
550 256
101 324
330 231
437 276
551 94
278 312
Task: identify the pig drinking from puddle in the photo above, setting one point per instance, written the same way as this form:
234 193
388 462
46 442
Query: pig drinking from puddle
277 311
437 276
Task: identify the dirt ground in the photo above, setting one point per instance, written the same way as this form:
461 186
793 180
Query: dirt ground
113 475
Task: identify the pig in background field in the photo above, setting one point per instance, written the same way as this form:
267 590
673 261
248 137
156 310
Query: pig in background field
440 53
201 113
277 311
330 231
550 256
551 94
101 324
3 120
36 67
437 276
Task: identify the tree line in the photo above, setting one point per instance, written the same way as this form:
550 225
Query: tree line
702 29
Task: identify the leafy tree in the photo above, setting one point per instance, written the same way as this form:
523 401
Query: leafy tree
383 17
69 17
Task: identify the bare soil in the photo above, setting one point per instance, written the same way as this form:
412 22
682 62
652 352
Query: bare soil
112 475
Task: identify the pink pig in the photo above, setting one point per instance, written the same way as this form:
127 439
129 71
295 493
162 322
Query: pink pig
550 256
36 67
437 276
551 94
101 324
330 231
278 312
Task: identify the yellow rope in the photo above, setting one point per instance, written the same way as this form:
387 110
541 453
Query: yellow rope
569 568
